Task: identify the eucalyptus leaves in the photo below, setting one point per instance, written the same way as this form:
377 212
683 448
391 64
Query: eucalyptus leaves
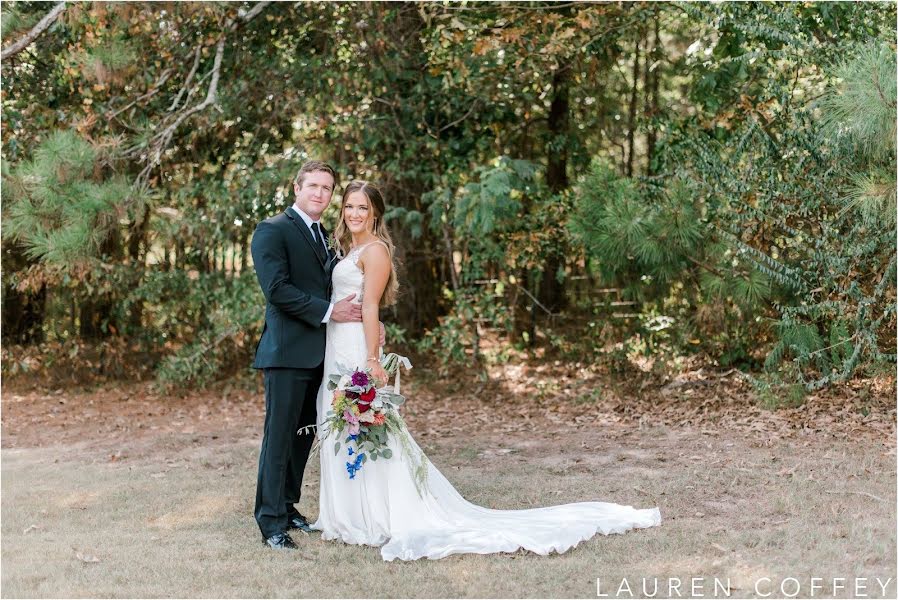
365 413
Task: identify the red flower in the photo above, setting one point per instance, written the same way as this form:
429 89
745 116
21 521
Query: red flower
365 399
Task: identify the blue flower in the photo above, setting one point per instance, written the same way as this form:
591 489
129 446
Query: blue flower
355 465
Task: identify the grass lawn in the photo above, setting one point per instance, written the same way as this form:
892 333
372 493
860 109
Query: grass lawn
181 525
98 501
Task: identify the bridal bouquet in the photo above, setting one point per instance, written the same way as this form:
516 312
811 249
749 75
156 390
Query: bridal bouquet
367 414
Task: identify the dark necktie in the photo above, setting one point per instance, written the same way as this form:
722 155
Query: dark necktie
319 240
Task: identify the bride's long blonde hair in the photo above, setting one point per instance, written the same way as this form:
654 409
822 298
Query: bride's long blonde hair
342 237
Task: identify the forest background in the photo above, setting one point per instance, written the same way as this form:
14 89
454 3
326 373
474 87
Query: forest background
636 188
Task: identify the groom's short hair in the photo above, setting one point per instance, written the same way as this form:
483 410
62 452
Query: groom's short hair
310 167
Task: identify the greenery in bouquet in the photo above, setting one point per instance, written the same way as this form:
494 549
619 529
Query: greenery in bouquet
363 411
367 414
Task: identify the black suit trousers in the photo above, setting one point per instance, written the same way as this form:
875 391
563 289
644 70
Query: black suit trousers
290 397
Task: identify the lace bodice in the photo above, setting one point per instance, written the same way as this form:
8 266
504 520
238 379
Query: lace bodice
348 277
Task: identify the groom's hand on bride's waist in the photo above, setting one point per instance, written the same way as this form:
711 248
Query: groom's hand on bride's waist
346 311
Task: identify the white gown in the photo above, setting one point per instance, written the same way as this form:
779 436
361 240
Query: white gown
382 507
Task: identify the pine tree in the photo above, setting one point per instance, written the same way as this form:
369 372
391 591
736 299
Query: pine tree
66 215
56 207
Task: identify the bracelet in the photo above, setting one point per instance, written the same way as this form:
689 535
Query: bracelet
373 358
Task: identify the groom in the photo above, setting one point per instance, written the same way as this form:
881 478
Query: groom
293 265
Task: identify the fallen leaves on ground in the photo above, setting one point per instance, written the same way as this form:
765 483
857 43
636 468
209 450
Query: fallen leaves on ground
129 418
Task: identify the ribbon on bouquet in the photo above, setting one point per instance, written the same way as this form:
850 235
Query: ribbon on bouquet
392 363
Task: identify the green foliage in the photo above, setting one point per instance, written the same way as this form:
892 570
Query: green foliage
773 220
850 255
860 116
631 228
55 206
397 336
801 340
758 206
863 108
14 20
484 202
775 392
227 324
456 340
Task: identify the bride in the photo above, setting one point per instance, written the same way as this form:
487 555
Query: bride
387 503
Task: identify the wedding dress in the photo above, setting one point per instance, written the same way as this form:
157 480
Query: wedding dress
383 506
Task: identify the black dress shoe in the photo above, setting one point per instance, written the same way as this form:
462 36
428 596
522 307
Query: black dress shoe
281 541
298 521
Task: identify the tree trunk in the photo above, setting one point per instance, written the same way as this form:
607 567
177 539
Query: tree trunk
631 120
180 259
97 312
137 252
22 313
652 82
556 172
244 249
421 300
551 291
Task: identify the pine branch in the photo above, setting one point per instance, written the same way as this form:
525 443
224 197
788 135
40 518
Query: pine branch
196 65
152 92
462 118
257 8
35 32
161 140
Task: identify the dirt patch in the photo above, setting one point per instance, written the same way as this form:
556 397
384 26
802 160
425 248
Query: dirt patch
128 419
133 419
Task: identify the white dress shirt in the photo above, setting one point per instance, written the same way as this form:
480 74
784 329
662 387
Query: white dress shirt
309 221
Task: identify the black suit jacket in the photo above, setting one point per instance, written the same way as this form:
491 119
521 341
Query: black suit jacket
295 280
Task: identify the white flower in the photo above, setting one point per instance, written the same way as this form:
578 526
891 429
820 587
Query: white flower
344 382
